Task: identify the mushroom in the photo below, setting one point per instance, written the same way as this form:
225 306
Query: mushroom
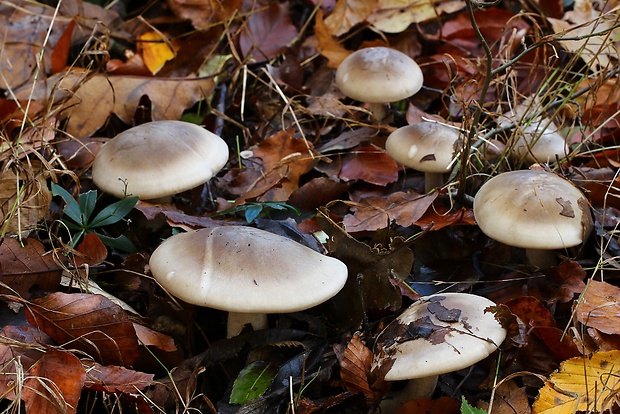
539 142
428 147
535 210
378 75
158 159
436 335
246 271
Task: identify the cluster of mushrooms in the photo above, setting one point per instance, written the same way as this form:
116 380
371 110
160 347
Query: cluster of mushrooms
250 272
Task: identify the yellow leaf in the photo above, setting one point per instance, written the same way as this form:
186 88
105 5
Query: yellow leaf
156 50
581 384
394 16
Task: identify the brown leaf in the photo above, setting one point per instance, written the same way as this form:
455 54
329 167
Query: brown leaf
439 217
120 95
203 13
327 45
370 164
355 367
267 32
113 379
92 323
149 337
373 213
93 250
27 266
54 383
442 405
62 48
347 14
600 307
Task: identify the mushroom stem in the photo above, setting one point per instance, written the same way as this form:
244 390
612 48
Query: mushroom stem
542 259
236 322
432 180
413 389
378 110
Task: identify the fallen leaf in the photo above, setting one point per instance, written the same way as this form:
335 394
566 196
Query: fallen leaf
349 13
54 383
149 337
373 213
62 48
93 251
600 307
91 323
442 405
119 95
115 380
395 16
355 367
267 32
204 13
156 51
585 384
439 216
27 265
327 45
370 164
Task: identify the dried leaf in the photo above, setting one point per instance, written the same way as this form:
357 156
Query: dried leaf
347 14
370 164
113 379
62 48
155 50
54 383
149 337
91 323
203 13
119 95
92 249
355 367
394 16
443 405
585 384
26 266
373 213
439 216
267 32
600 307
327 45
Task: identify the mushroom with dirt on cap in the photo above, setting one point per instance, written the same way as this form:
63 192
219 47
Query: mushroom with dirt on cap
429 147
436 335
158 159
246 271
378 76
535 210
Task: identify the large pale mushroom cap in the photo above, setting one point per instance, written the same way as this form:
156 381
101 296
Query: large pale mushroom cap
426 146
438 334
159 159
246 270
540 142
379 75
533 210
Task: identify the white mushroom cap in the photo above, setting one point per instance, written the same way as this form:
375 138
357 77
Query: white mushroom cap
159 159
426 146
539 142
439 334
246 270
379 75
533 210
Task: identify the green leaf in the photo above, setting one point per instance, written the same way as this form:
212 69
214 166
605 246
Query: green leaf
252 212
121 243
466 408
87 203
72 208
114 213
252 382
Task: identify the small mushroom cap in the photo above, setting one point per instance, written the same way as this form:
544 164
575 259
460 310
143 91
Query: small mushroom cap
540 142
379 75
246 270
426 146
438 334
159 159
533 210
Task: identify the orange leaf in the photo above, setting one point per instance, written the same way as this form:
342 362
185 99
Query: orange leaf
54 383
600 307
93 249
112 379
327 45
370 164
61 50
155 50
355 367
91 323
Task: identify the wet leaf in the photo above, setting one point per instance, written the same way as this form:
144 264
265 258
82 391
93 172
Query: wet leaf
586 384
54 383
91 323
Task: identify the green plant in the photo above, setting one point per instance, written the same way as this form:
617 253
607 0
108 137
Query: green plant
79 216
254 210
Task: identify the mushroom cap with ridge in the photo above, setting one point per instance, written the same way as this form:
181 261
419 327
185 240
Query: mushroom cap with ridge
245 270
438 334
425 146
158 159
533 210
379 75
